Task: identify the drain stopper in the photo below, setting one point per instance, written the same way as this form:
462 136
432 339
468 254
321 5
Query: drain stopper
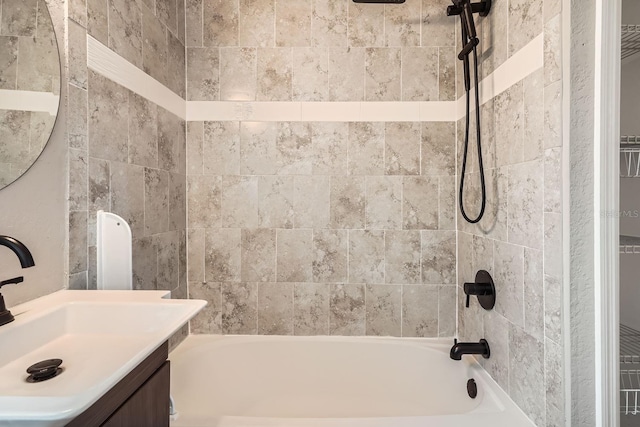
44 370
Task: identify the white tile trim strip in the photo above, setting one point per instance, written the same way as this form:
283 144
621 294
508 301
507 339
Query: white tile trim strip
106 62
103 60
25 100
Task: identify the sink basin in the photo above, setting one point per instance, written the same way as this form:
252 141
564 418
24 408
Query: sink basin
100 336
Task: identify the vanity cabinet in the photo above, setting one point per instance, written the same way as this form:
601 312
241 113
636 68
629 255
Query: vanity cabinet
141 399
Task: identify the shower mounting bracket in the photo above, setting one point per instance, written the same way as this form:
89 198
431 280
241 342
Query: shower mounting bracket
482 7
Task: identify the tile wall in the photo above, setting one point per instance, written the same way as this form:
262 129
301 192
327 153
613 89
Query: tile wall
126 154
316 228
519 241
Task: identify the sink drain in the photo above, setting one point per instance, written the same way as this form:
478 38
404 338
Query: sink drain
44 370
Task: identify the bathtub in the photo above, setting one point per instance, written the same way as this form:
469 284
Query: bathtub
242 381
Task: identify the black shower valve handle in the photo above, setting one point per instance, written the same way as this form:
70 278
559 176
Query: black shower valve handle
483 288
14 280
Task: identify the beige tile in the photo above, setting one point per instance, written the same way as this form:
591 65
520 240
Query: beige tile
509 275
144 263
347 202
438 148
194 25
240 308
552 50
447 311
78 179
238 74
402 256
383 70
553 180
311 309
195 155
274 74
20 19
525 23
240 201
311 201
209 320
258 148
167 13
154 46
419 74
496 332
168 247
293 23
366 148
77 118
533 293
310 80
366 256
447 74
439 257
329 23
525 204
222 255
383 310
330 248
346 74
329 142
402 26
220 19
143 131
182 21
107 119
419 203
533 122
402 148
97 20
125 30
275 308
196 242
437 28
171 142
553 115
419 311
203 65
99 185
294 149
256 23
526 374
384 202
128 196
77 242
221 148
495 36
258 255
77 56
447 202
275 201
347 310
509 126
294 256
204 201
366 25
554 386
9 62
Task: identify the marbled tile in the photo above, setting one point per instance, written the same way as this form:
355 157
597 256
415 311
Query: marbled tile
97 20
43 72
402 28
240 201
92 273
383 70
204 201
438 257
554 386
78 281
438 29
526 374
166 10
488 135
533 293
222 255
329 144
366 148
509 275
151 4
168 276
258 255
183 281
182 21
258 148
176 66
194 25
533 121
77 117
330 249
553 180
419 74
310 80
525 204
220 23
178 337
274 74
40 127
483 257
509 107
553 115
383 310
293 23
238 74
15 127
420 311
107 119
125 30
256 23
275 201
144 263
156 201
196 239
447 207
154 46
128 196
446 74
77 55
78 179
525 23
311 201
402 256
221 148
466 268
294 150
78 11
347 314
495 36
402 148
275 308
366 256
420 203
240 308
311 309
8 62
553 308
366 25
551 8
346 74
294 255
347 207
195 141
19 18
77 241
471 320
552 51
496 331
384 202
143 131
329 23
447 311
209 320
171 142
438 148
99 185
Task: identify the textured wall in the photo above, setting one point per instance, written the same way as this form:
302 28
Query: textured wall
321 227
519 241
127 155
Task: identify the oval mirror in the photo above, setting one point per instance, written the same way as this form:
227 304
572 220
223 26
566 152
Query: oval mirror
29 84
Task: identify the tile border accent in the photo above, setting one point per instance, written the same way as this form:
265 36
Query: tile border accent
26 100
106 62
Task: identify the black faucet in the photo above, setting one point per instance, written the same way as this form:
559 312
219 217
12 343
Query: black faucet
461 348
26 261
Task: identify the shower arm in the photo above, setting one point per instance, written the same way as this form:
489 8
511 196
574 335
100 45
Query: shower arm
482 7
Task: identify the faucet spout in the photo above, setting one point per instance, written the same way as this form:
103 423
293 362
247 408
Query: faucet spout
18 248
459 349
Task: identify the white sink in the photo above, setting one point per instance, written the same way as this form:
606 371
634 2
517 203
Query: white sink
100 336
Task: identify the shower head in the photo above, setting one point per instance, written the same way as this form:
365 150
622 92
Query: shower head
380 1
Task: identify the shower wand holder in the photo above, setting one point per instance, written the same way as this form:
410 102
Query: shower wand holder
482 7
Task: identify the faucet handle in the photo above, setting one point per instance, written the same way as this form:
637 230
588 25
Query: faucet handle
12 281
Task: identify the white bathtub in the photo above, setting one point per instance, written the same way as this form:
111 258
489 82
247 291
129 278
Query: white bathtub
242 381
